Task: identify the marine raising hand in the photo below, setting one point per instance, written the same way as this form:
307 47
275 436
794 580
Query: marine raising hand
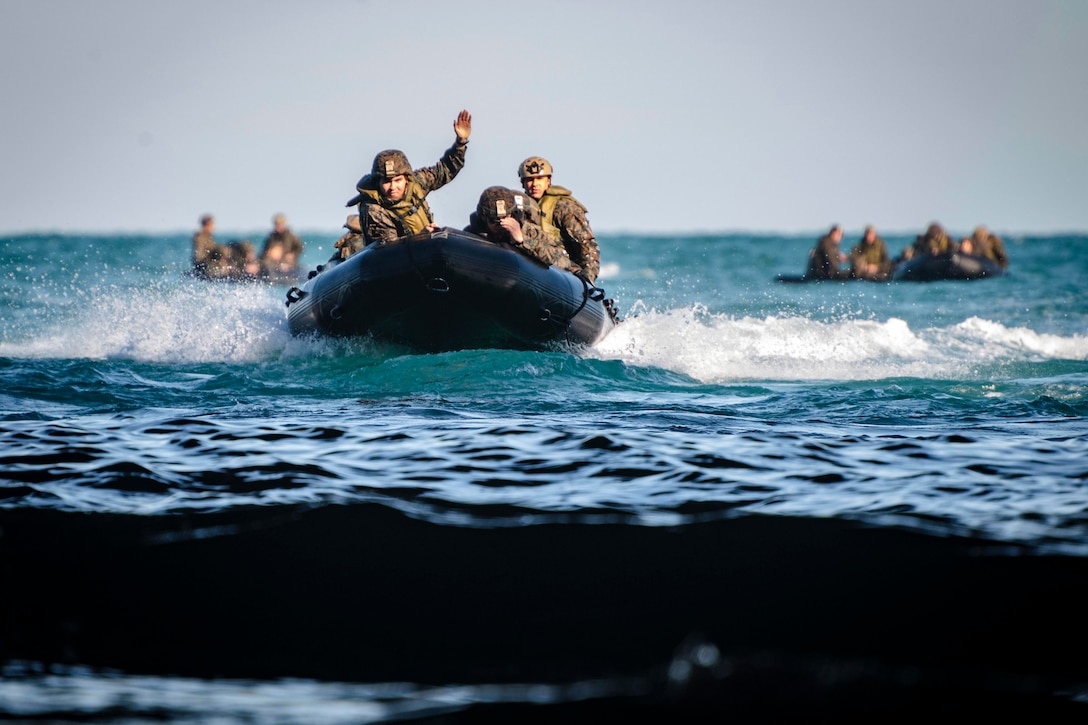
463 126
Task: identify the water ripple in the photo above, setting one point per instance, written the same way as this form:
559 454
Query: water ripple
1007 486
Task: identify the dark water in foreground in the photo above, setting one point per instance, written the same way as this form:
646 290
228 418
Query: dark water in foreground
751 501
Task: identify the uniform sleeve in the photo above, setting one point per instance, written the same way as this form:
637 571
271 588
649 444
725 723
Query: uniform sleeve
581 244
540 246
442 173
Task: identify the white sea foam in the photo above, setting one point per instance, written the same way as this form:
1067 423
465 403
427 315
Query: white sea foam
995 339
717 348
195 322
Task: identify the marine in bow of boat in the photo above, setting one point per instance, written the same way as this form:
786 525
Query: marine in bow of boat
392 198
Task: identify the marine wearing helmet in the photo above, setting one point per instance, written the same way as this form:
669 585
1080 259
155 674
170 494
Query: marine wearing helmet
562 217
389 164
505 215
498 202
392 198
985 243
534 167
935 241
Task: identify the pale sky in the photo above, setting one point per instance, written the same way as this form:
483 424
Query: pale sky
678 115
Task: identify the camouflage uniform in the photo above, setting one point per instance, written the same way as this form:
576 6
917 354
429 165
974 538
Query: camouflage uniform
206 253
990 246
875 253
383 220
935 241
497 202
564 219
285 240
218 261
351 242
823 260
238 255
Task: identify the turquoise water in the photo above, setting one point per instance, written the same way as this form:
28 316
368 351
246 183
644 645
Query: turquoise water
947 411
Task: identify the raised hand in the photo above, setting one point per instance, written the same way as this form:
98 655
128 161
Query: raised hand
463 125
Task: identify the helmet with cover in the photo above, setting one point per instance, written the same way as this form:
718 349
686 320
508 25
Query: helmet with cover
497 202
390 163
534 166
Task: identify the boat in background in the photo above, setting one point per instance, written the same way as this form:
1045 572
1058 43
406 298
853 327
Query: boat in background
237 261
450 290
950 266
923 268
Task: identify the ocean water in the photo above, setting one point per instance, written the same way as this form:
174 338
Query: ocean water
752 499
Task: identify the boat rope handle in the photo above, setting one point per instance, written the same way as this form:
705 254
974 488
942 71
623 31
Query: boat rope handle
294 295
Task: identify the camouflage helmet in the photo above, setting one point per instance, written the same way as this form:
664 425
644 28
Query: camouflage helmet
534 166
497 202
390 163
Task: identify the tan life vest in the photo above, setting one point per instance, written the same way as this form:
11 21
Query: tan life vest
547 205
411 213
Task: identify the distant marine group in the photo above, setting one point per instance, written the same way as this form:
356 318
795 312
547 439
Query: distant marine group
869 258
541 220
278 259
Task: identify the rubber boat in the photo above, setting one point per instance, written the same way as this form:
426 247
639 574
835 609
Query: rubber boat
450 290
801 279
951 266
924 268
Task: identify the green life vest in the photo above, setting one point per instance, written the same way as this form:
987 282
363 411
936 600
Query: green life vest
547 205
412 214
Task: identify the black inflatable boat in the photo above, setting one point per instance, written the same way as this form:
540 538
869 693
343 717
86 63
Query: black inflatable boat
450 290
923 268
954 266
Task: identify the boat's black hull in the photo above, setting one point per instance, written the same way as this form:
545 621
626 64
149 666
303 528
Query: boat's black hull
450 290
952 266
923 268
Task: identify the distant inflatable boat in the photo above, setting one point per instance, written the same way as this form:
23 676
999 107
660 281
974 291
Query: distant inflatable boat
801 279
450 290
924 268
952 266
